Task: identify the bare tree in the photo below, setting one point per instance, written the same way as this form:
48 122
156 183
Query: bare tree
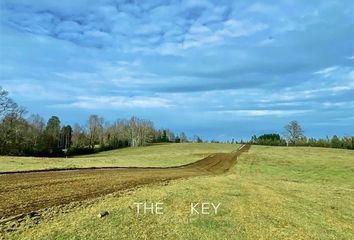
36 130
95 130
116 134
146 131
183 137
170 135
79 138
7 105
139 131
293 133
197 139
14 135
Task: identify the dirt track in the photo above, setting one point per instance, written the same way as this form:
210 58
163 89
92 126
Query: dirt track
23 192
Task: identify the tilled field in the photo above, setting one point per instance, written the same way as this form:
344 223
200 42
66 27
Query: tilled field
24 192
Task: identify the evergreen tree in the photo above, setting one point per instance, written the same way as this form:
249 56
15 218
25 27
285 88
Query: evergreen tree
52 134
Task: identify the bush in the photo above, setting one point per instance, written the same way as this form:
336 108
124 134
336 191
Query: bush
80 151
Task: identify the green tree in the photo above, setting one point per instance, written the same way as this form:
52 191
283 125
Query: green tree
348 142
164 137
336 142
65 137
52 134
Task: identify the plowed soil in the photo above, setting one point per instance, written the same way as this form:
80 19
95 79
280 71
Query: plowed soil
24 192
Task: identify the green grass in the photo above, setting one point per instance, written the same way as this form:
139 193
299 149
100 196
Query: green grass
271 193
152 156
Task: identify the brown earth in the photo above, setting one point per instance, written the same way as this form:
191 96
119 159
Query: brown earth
25 192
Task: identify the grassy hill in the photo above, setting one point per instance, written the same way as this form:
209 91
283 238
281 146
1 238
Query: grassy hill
160 155
271 193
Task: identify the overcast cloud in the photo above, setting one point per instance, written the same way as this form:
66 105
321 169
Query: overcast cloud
221 69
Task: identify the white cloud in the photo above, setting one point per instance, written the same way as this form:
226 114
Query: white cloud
29 90
198 3
200 35
334 104
351 76
148 29
260 8
266 42
116 102
326 72
235 28
262 113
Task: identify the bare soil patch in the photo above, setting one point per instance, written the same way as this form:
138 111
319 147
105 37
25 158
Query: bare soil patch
25 192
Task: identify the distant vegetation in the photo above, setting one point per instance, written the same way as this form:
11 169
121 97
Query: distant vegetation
294 136
273 139
33 137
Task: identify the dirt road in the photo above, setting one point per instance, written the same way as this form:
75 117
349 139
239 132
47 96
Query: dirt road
23 192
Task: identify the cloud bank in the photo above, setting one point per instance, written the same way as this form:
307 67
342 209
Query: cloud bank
201 66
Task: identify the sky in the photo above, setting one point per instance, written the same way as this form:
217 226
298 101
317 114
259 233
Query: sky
219 69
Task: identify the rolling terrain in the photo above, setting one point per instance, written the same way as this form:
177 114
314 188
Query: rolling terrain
34 190
271 193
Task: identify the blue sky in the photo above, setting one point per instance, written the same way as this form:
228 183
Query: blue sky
220 69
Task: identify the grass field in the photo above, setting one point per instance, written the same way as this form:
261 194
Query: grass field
162 155
271 193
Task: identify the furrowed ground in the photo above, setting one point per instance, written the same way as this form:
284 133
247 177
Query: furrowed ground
271 193
26 192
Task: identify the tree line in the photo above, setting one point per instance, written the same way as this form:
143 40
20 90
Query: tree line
294 136
34 137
